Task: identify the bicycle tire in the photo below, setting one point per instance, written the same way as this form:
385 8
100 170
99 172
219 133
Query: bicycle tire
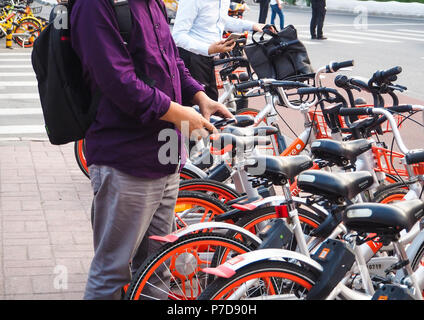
219 190
256 219
188 249
390 195
194 207
79 152
279 277
37 30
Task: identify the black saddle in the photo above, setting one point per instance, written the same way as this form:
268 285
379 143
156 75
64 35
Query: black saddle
383 219
341 153
276 168
251 131
336 187
226 142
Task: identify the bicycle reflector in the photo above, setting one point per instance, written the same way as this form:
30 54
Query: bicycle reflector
282 211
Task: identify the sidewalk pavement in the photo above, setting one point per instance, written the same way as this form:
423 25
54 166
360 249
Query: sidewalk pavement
46 239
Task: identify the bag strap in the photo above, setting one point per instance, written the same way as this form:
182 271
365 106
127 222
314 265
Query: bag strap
124 16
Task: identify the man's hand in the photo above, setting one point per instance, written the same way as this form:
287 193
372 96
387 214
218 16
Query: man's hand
221 46
210 107
258 27
187 119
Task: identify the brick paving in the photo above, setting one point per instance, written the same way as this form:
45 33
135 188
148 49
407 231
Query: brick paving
46 238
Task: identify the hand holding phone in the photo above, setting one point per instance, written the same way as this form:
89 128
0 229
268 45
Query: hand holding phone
234 36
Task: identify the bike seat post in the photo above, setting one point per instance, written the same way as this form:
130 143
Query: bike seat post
410 280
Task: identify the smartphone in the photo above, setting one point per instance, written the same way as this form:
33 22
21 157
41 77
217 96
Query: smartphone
234 36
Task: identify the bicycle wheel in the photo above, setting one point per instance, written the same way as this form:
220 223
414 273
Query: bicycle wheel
181 262
390 195
79 151
265 279
255 220
194 207
213 188
27 26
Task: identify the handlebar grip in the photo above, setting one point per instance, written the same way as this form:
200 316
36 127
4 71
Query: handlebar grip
415 156
355 111
336 66
391 72
312 90
247 85
400 109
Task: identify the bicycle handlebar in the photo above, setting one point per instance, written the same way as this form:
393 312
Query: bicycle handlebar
385 76
227 60
336 66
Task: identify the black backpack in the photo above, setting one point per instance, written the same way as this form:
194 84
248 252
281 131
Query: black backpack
69 107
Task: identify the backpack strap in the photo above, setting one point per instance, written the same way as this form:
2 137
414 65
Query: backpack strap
124 17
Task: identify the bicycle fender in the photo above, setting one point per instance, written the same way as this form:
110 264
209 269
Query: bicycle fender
191 167
230 267
279 200
199 227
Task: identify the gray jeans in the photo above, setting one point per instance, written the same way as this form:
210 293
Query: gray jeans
126 211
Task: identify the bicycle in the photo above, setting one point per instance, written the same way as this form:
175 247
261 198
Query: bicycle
241 267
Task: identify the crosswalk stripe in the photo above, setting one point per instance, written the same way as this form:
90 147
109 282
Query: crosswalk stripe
16 74
15 54
364 38
399 35
410 30
22 129
304 36
19 96
382 34
21 66
15 60
19 111
6 84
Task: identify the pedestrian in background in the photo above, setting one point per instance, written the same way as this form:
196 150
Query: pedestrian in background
263 10
276 7
197 32
317 20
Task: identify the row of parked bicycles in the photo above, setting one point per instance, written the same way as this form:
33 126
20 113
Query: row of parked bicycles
333 214
21 20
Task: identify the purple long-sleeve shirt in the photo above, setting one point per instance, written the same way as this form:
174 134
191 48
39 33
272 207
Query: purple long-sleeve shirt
125 134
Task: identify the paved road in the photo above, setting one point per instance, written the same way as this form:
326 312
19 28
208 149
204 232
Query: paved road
385 43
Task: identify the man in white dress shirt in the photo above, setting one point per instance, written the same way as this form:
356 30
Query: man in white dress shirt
197 32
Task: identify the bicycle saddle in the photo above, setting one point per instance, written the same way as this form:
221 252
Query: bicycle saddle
336 187
277 169
226 142
383 219
341 153
251 131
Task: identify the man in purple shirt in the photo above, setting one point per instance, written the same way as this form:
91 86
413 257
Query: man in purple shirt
134 190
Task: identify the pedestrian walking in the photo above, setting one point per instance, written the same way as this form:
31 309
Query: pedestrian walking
134 190
317 19
263 10
276 8
197 32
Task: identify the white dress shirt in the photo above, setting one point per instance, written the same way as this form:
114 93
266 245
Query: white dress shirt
199 23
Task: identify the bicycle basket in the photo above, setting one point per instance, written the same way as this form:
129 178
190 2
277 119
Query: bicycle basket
390 162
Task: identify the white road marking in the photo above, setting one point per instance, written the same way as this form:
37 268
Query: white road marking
19 111
16 74
6 84
22 129
19 96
